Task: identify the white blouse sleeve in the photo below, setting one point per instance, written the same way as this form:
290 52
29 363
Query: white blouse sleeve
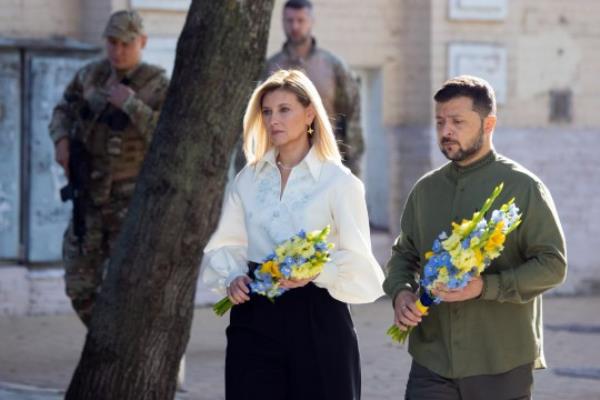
225 255
353 275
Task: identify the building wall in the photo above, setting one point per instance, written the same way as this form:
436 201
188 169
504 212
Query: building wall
551 45
40 18
94 14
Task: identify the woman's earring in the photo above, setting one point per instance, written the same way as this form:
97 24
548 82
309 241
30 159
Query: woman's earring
310 130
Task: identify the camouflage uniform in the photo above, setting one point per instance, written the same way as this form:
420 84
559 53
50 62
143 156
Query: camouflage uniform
339 91
116 141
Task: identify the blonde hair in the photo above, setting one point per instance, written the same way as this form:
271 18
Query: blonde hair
256 138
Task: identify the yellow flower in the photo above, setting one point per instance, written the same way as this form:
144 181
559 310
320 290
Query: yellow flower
462 229
466 260
272 268
306 270
428 255
442 276
479 260
307 250
492 253
451 242
495 241
474 242
499 226
281 251
295 248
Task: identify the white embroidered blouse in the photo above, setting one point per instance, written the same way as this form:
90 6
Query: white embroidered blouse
318 193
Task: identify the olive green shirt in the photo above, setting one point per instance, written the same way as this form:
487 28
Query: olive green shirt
502 329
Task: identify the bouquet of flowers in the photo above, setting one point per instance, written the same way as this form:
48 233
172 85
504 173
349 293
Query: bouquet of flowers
455 260
300 257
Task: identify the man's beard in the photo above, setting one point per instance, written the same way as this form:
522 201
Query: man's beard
300 41
463 154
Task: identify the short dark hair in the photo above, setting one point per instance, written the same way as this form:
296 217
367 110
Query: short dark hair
477 89
298 4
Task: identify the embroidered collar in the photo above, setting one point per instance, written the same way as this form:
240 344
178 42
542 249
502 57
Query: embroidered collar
310 161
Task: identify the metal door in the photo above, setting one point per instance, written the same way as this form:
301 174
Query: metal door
10 153
48 216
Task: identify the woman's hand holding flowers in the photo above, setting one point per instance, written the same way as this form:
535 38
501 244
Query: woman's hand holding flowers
238 290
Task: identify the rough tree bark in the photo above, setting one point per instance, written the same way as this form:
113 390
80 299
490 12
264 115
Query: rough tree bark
142 321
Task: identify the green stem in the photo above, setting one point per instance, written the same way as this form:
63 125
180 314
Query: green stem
222 306
397 335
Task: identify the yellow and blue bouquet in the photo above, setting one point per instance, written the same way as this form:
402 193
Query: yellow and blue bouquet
300 257
454 260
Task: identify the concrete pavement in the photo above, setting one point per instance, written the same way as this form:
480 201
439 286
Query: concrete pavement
39 353
42 351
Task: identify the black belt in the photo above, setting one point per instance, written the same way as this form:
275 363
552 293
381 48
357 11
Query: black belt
252 266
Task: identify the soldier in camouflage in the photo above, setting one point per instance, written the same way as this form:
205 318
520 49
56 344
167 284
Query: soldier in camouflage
111 106
334 81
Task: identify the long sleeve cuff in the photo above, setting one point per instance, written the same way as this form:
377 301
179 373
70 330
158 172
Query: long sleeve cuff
327 276
401 289
131 104
491 287
231 277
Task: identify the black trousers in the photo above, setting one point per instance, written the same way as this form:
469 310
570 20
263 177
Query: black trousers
301 346
516 384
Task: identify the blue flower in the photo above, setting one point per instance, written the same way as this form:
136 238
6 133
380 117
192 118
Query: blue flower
300 260
446 259
286 270
430 270
320 246
481 225
453 283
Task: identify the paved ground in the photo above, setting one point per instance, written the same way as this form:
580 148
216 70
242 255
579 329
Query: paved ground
42 351
38 354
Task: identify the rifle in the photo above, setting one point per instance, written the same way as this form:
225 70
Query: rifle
76 189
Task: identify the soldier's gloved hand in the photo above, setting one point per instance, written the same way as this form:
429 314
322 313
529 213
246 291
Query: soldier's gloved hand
61 154
118 93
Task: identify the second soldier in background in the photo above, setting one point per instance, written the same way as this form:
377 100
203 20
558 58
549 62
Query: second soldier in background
335 82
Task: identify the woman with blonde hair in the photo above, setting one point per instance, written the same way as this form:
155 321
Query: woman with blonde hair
302 345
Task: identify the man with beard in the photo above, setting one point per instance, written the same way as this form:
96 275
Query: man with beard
484 340
334 81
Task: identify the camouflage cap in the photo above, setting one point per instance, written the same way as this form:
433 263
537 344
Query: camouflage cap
124 25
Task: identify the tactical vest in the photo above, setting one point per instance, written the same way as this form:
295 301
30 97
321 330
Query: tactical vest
116 146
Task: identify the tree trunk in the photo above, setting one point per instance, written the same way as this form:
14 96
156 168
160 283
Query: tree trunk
141 323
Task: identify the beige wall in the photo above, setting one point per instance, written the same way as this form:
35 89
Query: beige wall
163 23
40 18
551 45
94 14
